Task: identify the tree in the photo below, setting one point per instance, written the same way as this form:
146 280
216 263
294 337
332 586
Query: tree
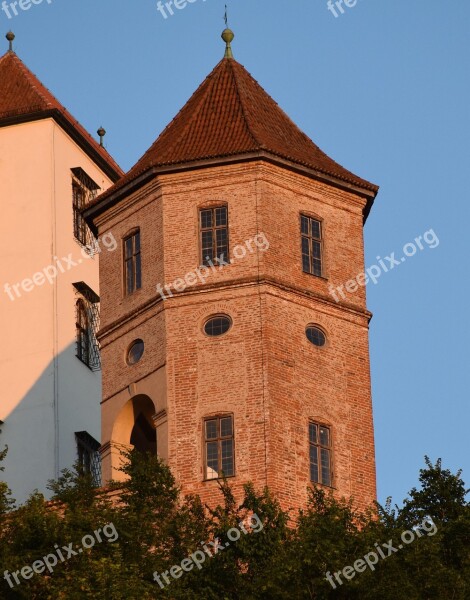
142 540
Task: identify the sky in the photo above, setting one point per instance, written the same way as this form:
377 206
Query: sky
383 88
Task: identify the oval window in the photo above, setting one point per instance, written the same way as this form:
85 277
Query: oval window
134 354
218 325
315 336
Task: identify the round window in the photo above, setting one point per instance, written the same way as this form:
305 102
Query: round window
134 354
315 336
218 325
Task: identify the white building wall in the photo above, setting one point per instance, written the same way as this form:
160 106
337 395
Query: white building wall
47 394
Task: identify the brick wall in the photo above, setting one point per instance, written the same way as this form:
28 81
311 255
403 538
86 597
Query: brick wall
263 371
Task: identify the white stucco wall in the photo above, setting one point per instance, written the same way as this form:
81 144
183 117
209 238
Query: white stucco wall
47 393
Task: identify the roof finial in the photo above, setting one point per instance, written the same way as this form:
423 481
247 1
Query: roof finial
10 37
101 132
228 36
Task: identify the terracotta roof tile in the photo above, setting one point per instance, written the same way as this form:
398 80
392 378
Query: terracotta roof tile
230 114
23 96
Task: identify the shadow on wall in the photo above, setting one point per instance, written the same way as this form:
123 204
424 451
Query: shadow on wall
40 429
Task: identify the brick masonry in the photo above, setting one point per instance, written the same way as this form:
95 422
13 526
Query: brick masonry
263 371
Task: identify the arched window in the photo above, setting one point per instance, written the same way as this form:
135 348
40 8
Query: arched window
132 263
83 333
213 229
87 325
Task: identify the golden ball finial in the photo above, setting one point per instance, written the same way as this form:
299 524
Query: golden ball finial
228 36
10 37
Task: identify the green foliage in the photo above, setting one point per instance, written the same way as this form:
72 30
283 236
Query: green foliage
257 550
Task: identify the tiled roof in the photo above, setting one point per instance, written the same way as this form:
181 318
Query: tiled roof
24 97
230 114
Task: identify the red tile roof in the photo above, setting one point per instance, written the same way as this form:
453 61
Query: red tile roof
230 114
23 97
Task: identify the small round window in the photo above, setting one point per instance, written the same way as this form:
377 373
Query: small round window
134 354
218 325
315 336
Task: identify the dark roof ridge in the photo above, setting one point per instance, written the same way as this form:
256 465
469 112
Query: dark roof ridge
242 103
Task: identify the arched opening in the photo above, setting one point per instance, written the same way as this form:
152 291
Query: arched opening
134 425
143 436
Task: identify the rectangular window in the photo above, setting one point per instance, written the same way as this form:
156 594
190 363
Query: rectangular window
87 325
84 190
89 456
312 251
213 223
132 263
219 447
320 454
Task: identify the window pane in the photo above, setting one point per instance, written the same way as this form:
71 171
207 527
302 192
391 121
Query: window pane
316 230
325 436
316 249
305 246
137 242
138 273
217 326
212 471
135 352
221 237
206 218
305 255
128 245
325 467
304 225
227 457
316 336
317 268
222 245
207 247
221 216
313 433
314 464
207 239
226 427
129 276
211 430
305 263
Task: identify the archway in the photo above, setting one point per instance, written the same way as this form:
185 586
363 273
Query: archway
134 425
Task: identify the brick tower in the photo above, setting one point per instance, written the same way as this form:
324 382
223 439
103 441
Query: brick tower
222 346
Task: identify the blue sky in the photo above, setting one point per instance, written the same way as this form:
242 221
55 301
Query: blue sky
384 90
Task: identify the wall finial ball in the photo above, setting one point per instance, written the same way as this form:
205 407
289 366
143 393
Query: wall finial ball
101 132
10 36
228 36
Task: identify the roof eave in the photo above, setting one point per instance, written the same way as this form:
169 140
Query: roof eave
71 130
110 199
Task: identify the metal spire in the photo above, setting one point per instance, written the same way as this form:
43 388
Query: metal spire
10 37
101 132
228 37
